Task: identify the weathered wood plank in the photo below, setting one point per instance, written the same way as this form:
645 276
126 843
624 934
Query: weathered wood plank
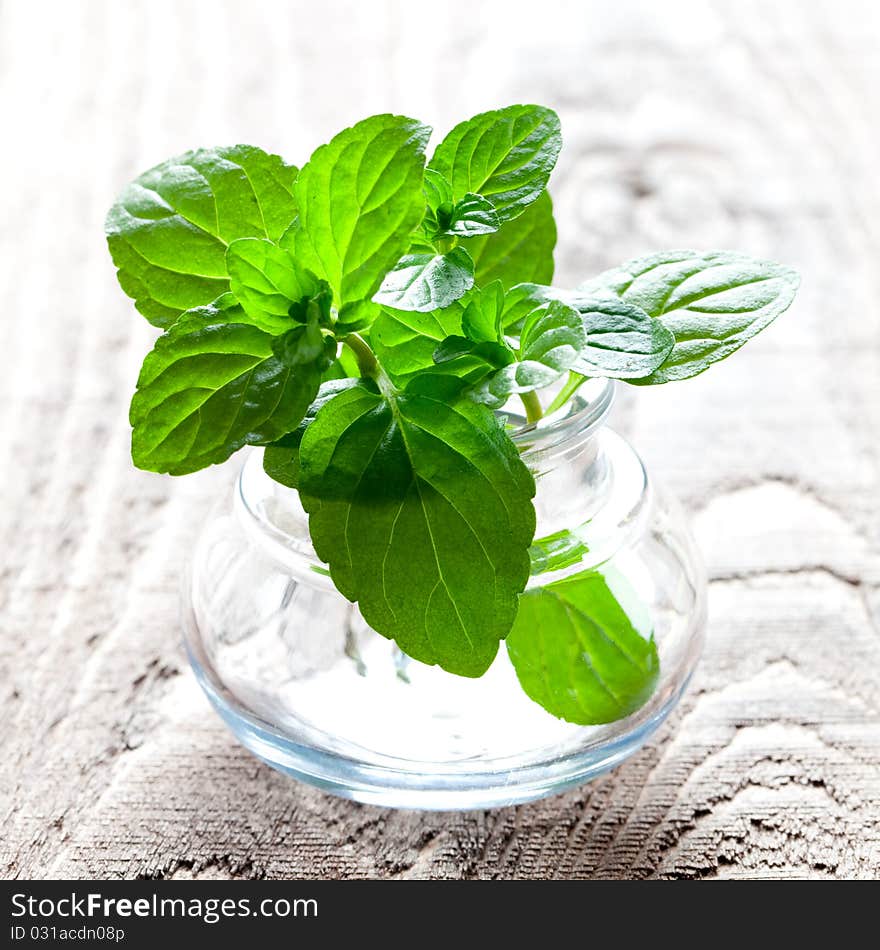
745 125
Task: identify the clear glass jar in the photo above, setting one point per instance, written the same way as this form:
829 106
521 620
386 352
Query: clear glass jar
307 686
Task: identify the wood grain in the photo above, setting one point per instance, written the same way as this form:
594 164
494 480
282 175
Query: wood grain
747 125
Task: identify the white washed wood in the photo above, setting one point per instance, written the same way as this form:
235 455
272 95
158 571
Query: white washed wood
747 125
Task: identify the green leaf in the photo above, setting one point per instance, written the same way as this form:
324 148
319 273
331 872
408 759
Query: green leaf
553 335
405 341
621 341
452 348
438 191
267 280
304 345
473 215
425 282
505 155
552 339
483 318
494 355
553 552
520 252
356 316
281 457
214 383
169 229
344 366
583 648
359 199
421 506
712 302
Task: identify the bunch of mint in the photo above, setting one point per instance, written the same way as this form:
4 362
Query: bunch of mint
363 318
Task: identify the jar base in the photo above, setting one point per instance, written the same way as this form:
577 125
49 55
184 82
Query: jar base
435 786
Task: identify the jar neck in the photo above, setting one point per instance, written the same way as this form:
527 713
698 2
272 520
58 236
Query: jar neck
566 452
568 434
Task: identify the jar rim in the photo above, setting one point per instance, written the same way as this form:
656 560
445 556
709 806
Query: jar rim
575 420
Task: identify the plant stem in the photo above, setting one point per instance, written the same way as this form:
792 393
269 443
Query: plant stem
534 410
366 359
571 386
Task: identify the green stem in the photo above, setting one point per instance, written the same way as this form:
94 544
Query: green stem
366 359
572 385
534 410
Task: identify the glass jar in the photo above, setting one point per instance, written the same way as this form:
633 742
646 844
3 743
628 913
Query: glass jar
307 686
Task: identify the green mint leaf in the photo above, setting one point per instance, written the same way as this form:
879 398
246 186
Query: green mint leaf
553 552
711 301
213 383
356 316
523 376
425 282
421 506
483 318
473 215
621 341
505 155
345 366
405 341
438 192
305 345
169 229
520 252
494 355
522 300
281 457
552 340
452 348
359 199
267 280
554 336
583 649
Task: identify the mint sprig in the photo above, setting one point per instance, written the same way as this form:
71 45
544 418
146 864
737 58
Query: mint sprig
169 229
364 319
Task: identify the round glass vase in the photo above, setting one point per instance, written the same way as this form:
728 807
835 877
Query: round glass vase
307 686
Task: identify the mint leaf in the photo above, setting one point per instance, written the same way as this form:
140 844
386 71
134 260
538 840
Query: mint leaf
505 155
344 366
454 348
553 335
520 252
621 341
438 192
405 341
169 229
421 506
357 315
213 383
359 198
281 457
267 280
553 552
552 340
483 318
711 301
583 648
425 282
473 215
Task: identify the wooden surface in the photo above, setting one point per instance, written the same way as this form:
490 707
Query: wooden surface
743 125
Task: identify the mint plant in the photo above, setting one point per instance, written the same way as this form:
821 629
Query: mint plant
366 319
